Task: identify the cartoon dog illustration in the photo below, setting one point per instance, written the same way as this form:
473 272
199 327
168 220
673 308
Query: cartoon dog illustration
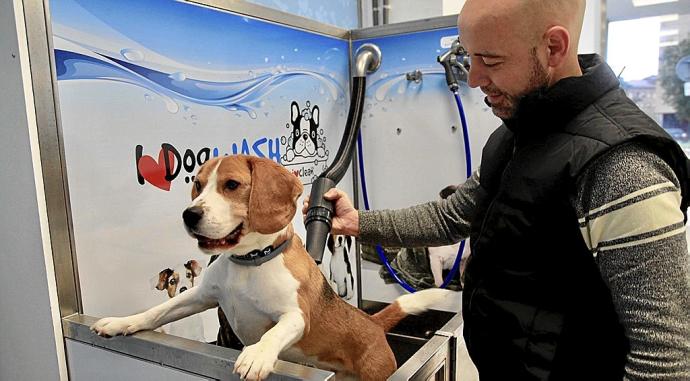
175 282
443 257
341 270
304 141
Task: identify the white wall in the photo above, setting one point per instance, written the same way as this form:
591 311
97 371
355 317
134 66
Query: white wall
590 40
31 346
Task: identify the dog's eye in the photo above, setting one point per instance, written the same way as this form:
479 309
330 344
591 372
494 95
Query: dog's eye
197 185
172 281
296 132
232 184
189 275
313 134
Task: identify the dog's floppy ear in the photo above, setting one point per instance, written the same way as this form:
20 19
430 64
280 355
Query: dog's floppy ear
315 115
193 266
273 198
163 277
294 111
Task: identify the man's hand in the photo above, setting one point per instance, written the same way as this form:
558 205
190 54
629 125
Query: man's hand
345 217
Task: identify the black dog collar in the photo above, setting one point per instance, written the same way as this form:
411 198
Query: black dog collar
259 257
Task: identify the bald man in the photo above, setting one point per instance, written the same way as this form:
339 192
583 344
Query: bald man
579 266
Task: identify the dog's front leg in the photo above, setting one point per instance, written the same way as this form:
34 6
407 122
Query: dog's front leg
190 302
256 361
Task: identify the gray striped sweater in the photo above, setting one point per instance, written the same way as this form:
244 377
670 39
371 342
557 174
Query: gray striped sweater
628 209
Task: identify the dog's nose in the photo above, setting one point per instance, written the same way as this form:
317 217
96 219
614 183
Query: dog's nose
192 215
305 136
183 289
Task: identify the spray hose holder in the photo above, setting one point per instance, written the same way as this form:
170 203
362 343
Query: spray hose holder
320 211
456 65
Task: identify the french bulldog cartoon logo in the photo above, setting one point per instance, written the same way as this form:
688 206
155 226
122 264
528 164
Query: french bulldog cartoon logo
306 139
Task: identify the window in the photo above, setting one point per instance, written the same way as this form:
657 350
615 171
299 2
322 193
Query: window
648 45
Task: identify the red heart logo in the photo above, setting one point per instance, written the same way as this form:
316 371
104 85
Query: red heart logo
154 172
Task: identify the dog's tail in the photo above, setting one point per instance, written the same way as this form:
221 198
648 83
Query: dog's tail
410 304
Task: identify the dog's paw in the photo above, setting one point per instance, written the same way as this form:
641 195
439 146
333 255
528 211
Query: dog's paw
113 326
256 361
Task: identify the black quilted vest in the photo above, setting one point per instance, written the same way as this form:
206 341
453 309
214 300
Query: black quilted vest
534 304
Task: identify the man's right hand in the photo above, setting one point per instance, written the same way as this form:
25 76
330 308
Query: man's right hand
345 217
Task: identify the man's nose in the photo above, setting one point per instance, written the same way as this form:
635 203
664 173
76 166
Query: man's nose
477 77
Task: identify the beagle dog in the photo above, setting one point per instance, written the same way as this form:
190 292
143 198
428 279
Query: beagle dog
175 282
275 297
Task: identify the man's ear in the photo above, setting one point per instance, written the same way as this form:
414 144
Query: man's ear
558 44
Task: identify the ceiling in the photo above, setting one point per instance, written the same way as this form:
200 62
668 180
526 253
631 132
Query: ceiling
617 10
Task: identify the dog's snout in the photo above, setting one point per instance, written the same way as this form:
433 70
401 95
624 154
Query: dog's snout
192 216
183 289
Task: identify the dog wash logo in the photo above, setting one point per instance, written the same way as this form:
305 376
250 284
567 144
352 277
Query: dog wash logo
305 152
171 161
305 148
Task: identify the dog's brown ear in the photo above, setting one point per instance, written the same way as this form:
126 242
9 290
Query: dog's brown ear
273 198
194 267
163 277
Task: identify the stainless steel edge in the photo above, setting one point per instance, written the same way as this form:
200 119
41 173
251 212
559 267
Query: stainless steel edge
453 328
427 359
188 355
406 27
272 15
44 86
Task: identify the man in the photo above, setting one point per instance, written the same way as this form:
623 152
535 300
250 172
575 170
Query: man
579 266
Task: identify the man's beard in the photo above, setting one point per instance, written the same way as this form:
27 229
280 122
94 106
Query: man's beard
538 79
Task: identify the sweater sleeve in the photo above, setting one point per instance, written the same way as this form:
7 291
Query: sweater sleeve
628 205
437 223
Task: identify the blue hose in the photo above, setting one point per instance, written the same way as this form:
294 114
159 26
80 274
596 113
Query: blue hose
365 196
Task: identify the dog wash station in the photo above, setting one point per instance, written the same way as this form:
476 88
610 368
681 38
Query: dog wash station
135 96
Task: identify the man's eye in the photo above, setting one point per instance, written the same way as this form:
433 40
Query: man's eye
491 63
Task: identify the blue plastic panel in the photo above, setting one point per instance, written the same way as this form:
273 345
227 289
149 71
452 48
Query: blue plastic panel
151 89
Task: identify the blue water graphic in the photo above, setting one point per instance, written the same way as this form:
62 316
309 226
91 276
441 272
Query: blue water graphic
244 95
399 84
